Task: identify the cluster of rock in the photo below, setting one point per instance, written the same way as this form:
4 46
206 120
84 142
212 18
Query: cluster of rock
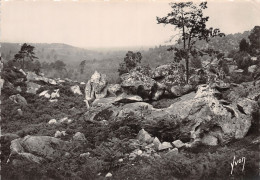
150 86
146 145
204 115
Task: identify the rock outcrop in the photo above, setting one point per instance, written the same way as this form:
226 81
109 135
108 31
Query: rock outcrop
96 87
202 117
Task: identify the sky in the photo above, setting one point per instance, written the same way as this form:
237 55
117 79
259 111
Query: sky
114 23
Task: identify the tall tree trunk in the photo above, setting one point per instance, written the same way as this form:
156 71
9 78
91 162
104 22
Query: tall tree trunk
187 60
23 64
187 70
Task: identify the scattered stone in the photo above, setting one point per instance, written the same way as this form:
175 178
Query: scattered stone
172 152
55 94
22 72
53 100
156 143
108 175
51 81
67 155
52 121
240 71
67 79
256 141
47 95
58 80
164 145
19 89
43 93
144 136
60 133
84 155
65 120
79 137
178 143
136 152
149 146
20 112
76 90
139 152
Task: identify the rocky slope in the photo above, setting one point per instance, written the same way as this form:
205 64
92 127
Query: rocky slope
61 129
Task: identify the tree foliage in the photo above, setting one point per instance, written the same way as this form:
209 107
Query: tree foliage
188 18
244 45
26 53
82 66
243 60
254 38
131 60
58 65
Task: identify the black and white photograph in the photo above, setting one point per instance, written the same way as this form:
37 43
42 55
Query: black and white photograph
130 89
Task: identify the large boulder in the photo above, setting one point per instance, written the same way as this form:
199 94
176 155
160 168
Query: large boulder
205 115
96 87
38 148
202 117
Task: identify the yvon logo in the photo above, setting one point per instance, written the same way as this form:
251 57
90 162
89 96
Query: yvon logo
237 162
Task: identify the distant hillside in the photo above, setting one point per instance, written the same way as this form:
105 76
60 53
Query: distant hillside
224 44
107 60
154 56
51 52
